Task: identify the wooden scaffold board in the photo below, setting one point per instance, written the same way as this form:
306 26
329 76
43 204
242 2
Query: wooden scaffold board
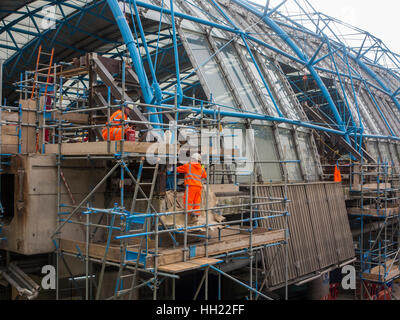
171 256
189 265
377 274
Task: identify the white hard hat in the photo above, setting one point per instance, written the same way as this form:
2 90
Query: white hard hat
196 157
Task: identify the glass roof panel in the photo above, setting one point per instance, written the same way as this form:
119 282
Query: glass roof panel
31 20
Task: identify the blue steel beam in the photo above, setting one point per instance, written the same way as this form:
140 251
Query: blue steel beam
156 87
379 109
299 60
361 130
340 81
34 13
363 65
285 37
63 21
218 26
300 28
243 37
272 11
27 47
253 116
24 15
136 58
179 92
374 76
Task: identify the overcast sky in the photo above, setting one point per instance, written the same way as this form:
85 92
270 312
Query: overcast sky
380 18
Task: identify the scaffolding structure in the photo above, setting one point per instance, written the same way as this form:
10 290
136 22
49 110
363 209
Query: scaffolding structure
138 229
374 198
306 84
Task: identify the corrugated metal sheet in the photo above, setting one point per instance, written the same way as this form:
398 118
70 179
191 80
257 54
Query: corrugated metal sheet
322 225
275 256
340 222
320 234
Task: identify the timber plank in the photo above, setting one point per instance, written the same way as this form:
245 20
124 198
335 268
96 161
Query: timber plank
368 210
10 129
95 250
28 134
9 116
100 148
224 188
74 72
340 222
9 148
9 139
78 118
174 256
225 245
372 187
189 265
377 273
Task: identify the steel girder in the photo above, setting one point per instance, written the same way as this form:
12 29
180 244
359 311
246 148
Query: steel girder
359 56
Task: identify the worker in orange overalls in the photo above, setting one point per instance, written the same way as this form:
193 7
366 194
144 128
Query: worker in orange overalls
194 173
337 177
115 131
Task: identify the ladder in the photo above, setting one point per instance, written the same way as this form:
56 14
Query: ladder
39 69
145 222
42 67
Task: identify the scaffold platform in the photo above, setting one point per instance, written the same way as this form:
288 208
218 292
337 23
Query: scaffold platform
168 257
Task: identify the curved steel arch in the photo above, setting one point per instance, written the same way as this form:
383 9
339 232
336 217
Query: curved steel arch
26 53
39 36
298 57
364 66
285 37
357 57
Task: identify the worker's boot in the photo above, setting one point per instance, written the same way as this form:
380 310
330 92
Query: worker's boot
193 219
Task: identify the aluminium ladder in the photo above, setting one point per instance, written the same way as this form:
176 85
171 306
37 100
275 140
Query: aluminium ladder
145 222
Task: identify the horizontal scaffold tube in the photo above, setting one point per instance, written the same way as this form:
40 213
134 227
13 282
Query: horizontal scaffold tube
253 116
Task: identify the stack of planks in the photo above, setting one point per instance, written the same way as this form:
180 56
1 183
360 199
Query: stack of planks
382 273
10 129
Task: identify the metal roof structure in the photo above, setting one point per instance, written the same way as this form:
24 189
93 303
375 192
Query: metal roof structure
282 62
314 91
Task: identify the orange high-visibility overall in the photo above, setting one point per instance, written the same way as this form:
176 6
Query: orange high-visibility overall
115 131
194 172
337 177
